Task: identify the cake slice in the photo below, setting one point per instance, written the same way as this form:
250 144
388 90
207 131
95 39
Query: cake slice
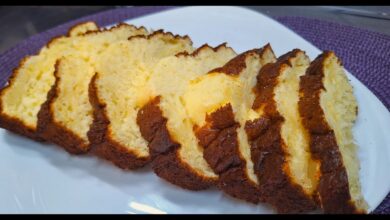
328 109
279 147
28 87
216 104
163 121
18 99
66 115
119 89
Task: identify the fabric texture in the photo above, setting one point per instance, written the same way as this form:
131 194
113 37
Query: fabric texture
364 53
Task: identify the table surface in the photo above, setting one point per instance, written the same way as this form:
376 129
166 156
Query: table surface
21 22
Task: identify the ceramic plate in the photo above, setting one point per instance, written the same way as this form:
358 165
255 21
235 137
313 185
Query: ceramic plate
41 178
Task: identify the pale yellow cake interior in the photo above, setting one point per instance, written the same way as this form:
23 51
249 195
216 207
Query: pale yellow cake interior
71 109
340 109
123 70
170 79
23 99
299 165
210 92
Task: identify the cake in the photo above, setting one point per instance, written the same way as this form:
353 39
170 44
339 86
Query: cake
28 87
163 121
66 116
328 109
21 98
119 89
261 129
216 104
278 144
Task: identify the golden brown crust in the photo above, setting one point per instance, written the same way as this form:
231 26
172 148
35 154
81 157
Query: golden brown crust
52 131
77 25
18 127
52 40
47 127
333 187
169 167
236 65
160 32
93 32
14 124
99 137
267 145
221 151
118 26
220 141
101 143
200 49
164 150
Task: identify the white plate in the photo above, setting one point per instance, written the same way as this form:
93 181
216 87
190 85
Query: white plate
39 178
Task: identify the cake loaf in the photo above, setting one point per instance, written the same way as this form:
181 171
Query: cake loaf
119 89
26 90
217 103
66 116
163 121
328 109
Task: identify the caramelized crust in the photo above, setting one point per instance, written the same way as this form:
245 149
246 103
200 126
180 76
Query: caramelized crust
61 120
221 151
49 129
219 138
168 160
16 124
11 123
333 187
103 144
267 145
163 149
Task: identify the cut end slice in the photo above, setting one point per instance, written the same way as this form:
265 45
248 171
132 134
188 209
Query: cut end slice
328 108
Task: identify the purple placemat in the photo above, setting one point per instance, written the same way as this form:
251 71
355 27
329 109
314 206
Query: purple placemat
365 54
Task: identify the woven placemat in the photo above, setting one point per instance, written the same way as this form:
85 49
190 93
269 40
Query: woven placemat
365 54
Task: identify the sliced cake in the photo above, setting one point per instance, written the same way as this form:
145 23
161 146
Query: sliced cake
329 109
21 99
163 121
215 104
66 116
279 147
119 89
30 83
